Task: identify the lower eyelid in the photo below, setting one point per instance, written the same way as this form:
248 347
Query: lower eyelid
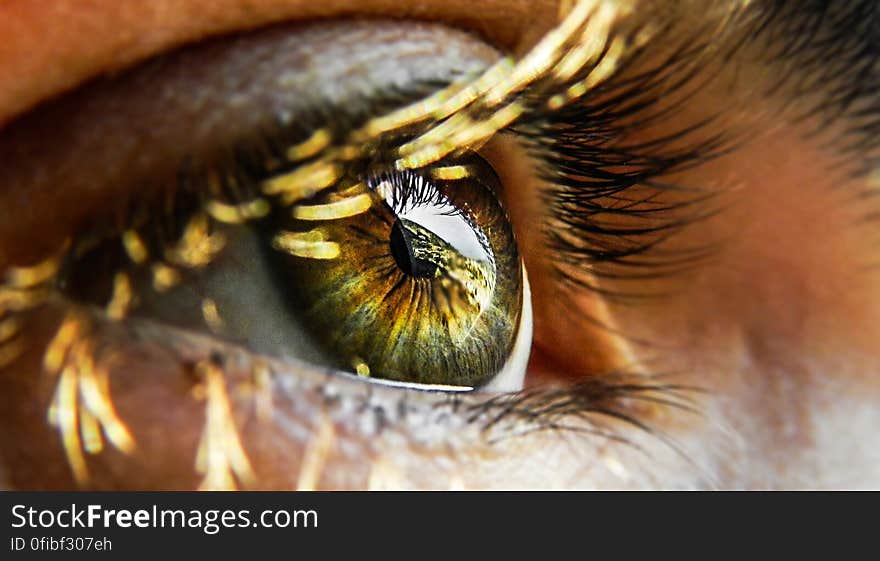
159 389
296 427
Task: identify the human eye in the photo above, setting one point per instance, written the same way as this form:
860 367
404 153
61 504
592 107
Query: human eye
301 250
410 275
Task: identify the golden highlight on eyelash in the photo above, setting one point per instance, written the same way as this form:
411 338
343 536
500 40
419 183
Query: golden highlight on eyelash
318 141
361 368
81 408
30 277
122 298
343 208
9 328
304 182
56 350
220 457
237 214
164 277
24 288
315 457
20 300
309 244
198 246
451 173
261 377
460 130
11 345
135 247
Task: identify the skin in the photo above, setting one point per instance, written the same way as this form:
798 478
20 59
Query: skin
779 329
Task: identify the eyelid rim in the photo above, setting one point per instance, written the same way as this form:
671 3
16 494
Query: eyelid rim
52 48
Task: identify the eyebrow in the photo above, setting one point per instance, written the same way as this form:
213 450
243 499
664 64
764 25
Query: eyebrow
826 55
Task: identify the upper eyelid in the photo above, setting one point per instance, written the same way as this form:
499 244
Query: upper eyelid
111 159
561 66
67 44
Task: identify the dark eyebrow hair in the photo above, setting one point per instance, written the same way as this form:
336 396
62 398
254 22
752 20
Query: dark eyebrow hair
828 54
821 58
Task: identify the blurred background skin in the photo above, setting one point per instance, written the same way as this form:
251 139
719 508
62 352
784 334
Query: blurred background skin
780 328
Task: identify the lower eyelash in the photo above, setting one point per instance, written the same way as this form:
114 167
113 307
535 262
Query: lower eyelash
79 356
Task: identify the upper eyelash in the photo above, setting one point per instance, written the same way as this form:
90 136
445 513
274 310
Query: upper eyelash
580 160
268 152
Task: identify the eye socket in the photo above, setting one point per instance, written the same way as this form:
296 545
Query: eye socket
294 277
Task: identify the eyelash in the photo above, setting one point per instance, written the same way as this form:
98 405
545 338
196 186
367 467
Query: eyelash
590 173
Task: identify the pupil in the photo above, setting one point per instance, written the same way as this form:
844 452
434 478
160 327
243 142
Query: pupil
401 249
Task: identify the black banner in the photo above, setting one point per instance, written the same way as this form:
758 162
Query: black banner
244 523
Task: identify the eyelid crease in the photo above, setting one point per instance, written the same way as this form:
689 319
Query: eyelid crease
466 113
306 245
77 41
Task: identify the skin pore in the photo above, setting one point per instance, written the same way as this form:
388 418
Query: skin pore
776 330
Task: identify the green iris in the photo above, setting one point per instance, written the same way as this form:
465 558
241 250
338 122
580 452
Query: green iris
426 285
